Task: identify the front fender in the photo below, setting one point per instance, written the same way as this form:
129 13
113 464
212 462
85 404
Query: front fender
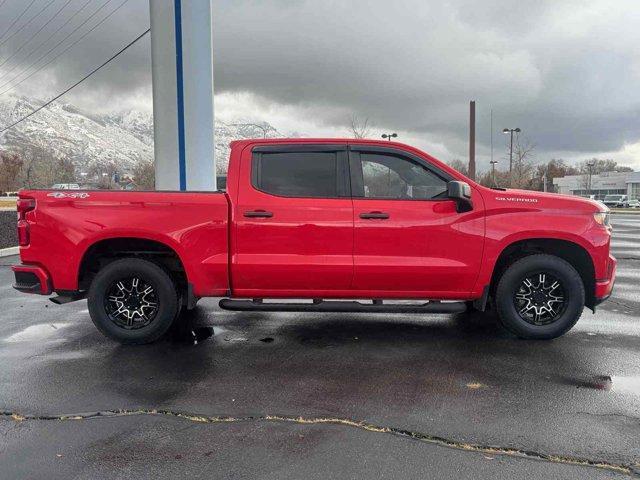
506 229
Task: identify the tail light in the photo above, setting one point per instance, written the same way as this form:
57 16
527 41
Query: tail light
24 205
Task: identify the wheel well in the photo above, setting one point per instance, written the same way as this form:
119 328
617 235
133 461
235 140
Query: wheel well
573 253
105 251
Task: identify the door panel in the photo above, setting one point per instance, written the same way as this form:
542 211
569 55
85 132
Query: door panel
422 247
416 242
287 245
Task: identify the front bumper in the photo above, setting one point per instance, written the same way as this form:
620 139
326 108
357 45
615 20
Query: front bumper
604 287
32 279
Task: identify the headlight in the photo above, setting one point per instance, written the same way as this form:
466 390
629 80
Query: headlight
602 218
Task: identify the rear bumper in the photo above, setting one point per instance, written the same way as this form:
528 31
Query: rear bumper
605 287
32 279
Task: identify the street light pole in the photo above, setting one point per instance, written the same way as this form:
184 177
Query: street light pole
472 140
389 136
493 171
510 131
590 166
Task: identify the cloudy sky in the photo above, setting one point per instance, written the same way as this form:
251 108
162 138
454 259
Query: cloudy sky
565 71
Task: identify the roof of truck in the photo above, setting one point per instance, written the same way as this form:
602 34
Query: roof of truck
360 141
349 141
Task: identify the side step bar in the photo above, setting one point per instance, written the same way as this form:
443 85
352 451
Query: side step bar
68 297
341 306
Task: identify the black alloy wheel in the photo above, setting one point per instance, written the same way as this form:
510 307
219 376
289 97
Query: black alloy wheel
133 301
540 298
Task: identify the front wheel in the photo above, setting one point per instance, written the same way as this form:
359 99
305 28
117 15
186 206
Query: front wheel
540 297
133 301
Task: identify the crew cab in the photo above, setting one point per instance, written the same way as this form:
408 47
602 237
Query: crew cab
335 224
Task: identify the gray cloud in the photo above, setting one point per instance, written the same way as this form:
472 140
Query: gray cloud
112 86
566 72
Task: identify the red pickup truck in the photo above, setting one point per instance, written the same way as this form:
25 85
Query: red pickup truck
340 225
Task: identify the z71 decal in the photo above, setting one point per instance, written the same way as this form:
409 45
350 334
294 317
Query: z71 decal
68 195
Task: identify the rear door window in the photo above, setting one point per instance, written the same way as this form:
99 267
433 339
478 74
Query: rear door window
298 174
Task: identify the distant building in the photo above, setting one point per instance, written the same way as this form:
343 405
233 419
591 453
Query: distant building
606 183
633 185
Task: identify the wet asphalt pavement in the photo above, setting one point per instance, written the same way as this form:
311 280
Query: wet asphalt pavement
322 395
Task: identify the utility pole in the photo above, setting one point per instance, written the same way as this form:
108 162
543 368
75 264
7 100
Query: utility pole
493 172
510 131
491 121
472 140
590 166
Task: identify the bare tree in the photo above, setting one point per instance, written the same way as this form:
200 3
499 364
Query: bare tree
501 179
599 166
10 166
554 168
460 166
35 169
144 175
360 129
522 171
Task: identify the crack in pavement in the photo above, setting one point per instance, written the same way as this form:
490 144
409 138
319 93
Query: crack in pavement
622 415
619 303
630 469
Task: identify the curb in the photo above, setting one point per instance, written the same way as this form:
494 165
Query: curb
7 252
634 211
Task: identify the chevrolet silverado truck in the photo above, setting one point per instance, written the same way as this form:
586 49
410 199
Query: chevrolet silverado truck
318 225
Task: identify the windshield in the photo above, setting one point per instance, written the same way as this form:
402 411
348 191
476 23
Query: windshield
613 197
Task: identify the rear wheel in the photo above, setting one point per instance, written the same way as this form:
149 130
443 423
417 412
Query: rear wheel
540 297
133 301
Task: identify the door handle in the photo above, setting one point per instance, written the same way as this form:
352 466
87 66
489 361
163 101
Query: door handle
374 215
258 214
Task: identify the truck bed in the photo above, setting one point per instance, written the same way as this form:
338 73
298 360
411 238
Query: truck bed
66 224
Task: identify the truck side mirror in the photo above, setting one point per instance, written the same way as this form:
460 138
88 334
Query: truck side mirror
460 192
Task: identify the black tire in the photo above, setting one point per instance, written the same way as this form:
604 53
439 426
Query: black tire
142 329
509 293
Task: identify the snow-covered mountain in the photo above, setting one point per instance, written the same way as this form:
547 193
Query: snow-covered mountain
93 140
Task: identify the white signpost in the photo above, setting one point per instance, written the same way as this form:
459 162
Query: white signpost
182 68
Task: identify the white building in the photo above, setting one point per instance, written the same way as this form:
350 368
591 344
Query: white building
633 185
606 183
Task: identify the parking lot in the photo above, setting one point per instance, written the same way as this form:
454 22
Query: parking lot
238 395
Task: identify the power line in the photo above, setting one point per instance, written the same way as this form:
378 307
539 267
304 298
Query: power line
19 17
56 46
78 82
74 30
24 44
34 50
25 24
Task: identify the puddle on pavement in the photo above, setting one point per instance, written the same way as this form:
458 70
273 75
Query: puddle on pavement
38 332
65 356
623 384
191 335
626 384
